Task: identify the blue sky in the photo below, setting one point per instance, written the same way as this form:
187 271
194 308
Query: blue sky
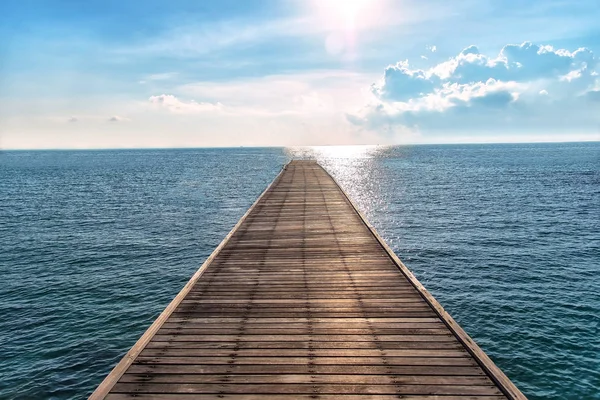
103 74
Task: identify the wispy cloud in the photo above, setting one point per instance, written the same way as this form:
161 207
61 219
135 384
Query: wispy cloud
164 76
306 20
195 40
325 91
173 104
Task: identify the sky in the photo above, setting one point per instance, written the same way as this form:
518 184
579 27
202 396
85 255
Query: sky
190 73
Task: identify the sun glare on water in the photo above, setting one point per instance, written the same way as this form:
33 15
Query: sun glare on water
334 152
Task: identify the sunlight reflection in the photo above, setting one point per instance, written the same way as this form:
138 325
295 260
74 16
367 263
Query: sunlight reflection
353 167
327 152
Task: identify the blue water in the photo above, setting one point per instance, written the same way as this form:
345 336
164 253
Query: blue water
94 244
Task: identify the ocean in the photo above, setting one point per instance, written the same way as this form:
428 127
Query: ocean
94 245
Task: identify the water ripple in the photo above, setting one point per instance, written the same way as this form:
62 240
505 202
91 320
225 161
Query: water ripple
93 245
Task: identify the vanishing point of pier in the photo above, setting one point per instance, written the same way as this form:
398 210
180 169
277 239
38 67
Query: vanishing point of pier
304 300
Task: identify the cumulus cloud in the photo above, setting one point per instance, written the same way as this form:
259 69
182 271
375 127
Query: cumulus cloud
523 84
520 63
175 105
400 83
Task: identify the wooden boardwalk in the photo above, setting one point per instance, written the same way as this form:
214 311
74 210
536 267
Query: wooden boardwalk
303 300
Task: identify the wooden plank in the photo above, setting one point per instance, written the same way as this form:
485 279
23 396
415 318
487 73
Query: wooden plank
289 369
363 379
331 319
295 396
182 337
449 344
301 325
192 352
304 300
310 388
226 360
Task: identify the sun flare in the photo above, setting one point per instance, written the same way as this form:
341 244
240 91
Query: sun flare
342 13
343 20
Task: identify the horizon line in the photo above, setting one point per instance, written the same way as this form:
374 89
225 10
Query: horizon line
297 146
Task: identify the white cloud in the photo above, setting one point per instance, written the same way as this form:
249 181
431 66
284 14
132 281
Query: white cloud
525 86
522 62
401 83
572 75
173 104
292 109
315 93
73 119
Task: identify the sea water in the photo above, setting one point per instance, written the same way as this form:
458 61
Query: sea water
94 245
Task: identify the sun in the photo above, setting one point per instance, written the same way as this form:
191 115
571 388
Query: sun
345 11
343 21
341 14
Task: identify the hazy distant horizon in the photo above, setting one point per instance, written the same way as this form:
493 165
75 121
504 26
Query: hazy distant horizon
594 140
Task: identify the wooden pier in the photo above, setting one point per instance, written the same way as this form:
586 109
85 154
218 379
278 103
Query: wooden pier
304 300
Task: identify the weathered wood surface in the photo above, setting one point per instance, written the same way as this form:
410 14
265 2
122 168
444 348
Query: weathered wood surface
303 300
